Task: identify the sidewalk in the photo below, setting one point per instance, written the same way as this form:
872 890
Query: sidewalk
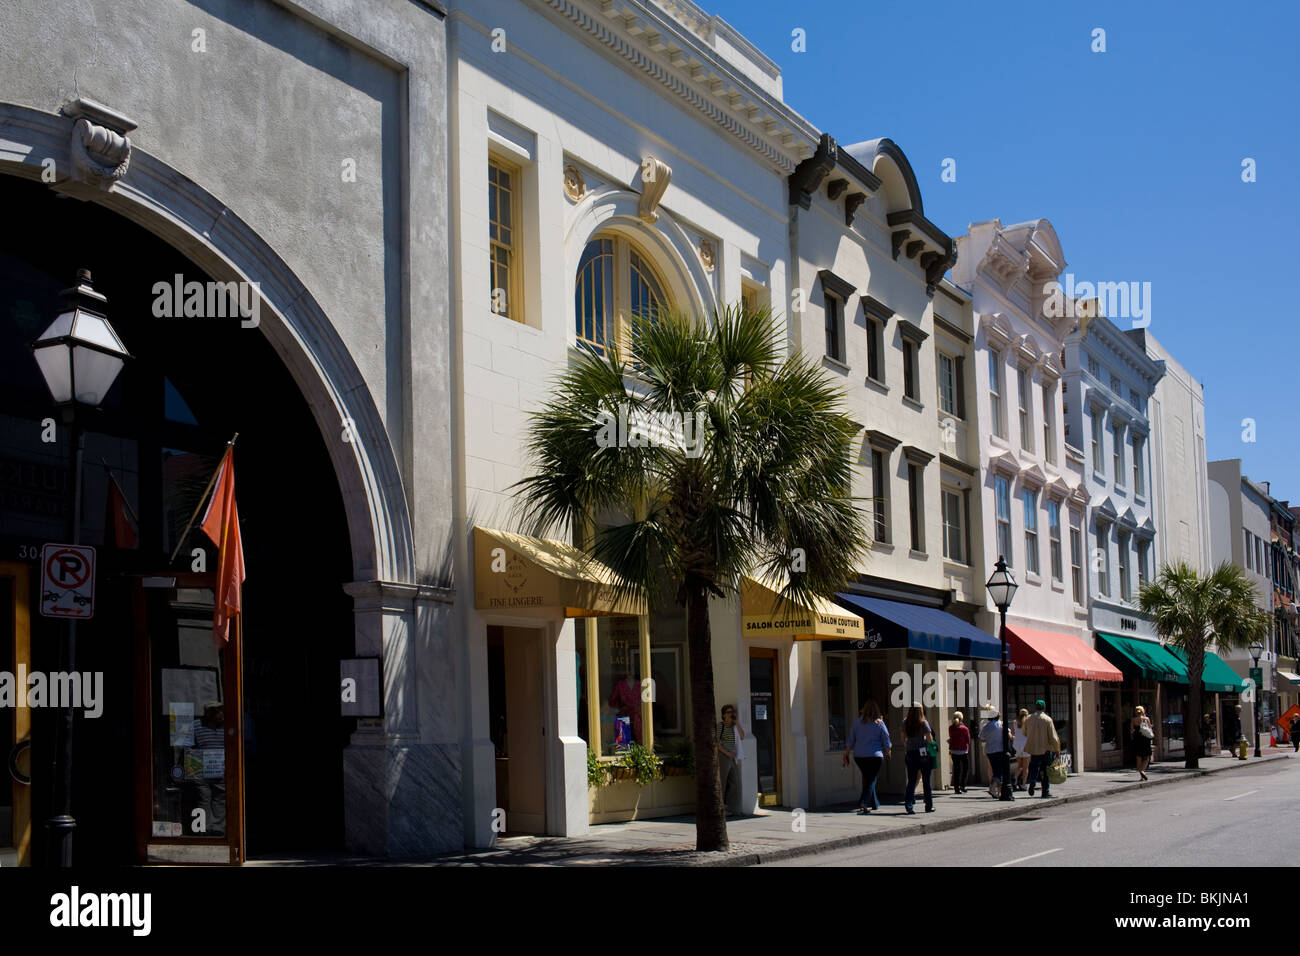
771 834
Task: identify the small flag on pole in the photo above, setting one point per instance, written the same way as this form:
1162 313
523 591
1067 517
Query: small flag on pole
221 524
120 528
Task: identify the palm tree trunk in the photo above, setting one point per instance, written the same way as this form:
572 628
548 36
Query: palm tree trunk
1192 719
710 817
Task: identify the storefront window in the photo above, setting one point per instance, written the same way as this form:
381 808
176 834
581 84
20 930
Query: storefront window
837 700
1109 720
1172 718
668 669
620 684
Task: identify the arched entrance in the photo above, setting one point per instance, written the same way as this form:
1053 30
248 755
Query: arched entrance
315 471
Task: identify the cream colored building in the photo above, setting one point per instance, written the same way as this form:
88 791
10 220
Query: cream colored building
605 155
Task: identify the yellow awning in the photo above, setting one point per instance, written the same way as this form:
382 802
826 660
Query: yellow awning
519 574
763 614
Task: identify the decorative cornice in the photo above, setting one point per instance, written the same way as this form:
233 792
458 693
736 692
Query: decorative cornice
835 285
955 465
808 175
876 309
950 329
917 456
882 442
912 331
656 44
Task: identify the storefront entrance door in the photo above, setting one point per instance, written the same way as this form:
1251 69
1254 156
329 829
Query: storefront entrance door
189 727
515 665
15 722
764 709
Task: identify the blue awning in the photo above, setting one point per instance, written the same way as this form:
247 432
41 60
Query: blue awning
922 628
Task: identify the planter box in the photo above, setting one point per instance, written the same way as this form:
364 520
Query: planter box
623 800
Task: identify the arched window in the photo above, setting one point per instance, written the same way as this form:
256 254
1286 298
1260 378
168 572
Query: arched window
614 279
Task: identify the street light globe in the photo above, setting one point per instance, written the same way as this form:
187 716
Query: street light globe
1256 651
80 355
1001 585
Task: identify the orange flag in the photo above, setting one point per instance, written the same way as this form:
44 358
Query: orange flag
221 524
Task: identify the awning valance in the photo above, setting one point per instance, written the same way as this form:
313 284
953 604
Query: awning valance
921 628
1216 675
763 614
1148 660
519 574
1044 653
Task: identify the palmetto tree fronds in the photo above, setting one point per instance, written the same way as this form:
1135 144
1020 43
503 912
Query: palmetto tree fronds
700 454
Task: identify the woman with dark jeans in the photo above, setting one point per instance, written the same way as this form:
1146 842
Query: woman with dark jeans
917 735
869 745
959 747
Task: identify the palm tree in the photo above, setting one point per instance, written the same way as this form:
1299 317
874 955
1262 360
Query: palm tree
1190 611
755 481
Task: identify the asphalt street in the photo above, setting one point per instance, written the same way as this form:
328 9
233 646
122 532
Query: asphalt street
1244 818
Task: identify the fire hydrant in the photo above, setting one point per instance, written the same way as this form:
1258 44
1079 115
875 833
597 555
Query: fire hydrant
1243 747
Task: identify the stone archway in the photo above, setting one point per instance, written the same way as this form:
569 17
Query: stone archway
391 765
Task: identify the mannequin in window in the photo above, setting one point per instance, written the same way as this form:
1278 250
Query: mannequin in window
625 698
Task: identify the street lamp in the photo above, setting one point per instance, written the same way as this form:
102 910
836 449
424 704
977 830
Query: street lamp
1256 652
80 357
1002 588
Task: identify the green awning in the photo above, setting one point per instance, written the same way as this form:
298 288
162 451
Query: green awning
1148 660
1216 676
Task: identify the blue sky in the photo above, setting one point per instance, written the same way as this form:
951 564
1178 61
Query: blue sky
1134 154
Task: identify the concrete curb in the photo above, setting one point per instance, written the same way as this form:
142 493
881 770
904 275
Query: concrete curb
952 823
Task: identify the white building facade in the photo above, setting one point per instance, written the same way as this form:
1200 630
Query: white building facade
1109 382
1033 499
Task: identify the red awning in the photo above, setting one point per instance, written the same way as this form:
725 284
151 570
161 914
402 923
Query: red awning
1042 653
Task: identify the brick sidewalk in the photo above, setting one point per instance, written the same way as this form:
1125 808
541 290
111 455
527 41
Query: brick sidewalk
771 834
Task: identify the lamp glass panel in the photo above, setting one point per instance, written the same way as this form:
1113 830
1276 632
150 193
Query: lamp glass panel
96 373
94 329
56 369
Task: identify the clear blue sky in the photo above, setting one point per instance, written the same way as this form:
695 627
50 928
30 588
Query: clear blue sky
1133 154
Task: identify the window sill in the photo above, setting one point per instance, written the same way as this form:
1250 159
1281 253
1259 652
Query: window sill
877 384
887 547
919 555
913 402
835 364
998 441
1139 498
1031 578
1058 586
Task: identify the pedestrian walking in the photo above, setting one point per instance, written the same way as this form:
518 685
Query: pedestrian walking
1143 734
1207 732
1295 732
869 745
1042 744
917 735
992 737
959 747
1018 741
731 738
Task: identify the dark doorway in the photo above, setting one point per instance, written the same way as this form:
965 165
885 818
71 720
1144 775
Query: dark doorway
193 383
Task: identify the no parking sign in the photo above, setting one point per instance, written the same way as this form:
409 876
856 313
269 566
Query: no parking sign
68 581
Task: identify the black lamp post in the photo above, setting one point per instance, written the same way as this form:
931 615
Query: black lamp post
80 357
1256 652
1002 588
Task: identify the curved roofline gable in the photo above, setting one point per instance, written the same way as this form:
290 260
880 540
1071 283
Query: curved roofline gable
1042 245
869 152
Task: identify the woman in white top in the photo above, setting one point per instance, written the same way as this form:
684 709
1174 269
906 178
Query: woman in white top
1018 741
